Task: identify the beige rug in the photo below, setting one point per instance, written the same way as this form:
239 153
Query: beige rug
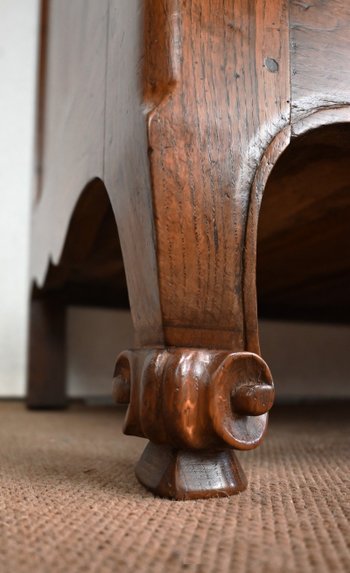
70 502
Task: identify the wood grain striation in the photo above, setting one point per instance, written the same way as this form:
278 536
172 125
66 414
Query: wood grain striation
164 127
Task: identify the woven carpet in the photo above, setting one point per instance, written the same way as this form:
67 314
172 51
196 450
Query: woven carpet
70 501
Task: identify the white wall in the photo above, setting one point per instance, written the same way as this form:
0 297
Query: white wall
94 339
18 49
306 360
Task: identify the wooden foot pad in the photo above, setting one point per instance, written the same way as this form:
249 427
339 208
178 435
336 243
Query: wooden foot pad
185 474
194 406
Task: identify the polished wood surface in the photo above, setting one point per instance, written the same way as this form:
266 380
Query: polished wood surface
192 405
204 152
165 127
195 399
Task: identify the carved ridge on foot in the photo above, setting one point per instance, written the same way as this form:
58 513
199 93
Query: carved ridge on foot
193 400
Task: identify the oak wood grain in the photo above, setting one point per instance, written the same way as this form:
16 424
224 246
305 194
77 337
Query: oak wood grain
165 127
224 102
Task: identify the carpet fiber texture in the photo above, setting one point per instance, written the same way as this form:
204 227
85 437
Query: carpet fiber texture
70 502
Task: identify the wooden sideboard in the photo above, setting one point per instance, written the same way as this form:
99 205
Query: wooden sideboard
163 126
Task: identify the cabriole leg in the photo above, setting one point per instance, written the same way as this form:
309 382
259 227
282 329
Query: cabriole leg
217 93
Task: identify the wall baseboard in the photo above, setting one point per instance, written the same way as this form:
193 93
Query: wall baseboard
307 360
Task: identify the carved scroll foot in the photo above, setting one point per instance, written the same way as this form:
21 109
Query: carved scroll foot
185 474
193 405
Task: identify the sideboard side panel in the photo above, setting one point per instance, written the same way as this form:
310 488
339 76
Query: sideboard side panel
126 166
70 128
